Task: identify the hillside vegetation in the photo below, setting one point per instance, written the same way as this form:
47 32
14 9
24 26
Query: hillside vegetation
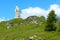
21 29
32 26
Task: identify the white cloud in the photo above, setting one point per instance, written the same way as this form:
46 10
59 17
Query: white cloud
2 19
56 8
37 11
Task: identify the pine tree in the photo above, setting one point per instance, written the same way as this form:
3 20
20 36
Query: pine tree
50 21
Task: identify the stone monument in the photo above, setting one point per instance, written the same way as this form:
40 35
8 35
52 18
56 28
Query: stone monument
17 11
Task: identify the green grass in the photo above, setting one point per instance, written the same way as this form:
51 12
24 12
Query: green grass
23 31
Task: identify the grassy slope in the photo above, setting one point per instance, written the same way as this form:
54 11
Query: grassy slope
23 31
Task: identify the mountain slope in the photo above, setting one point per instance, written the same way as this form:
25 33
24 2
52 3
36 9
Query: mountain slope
20 29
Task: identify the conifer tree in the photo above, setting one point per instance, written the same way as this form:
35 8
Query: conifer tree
50 21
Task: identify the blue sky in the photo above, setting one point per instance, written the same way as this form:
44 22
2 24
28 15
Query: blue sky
7 7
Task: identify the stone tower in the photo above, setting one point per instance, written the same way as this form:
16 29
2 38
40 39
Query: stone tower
17 11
